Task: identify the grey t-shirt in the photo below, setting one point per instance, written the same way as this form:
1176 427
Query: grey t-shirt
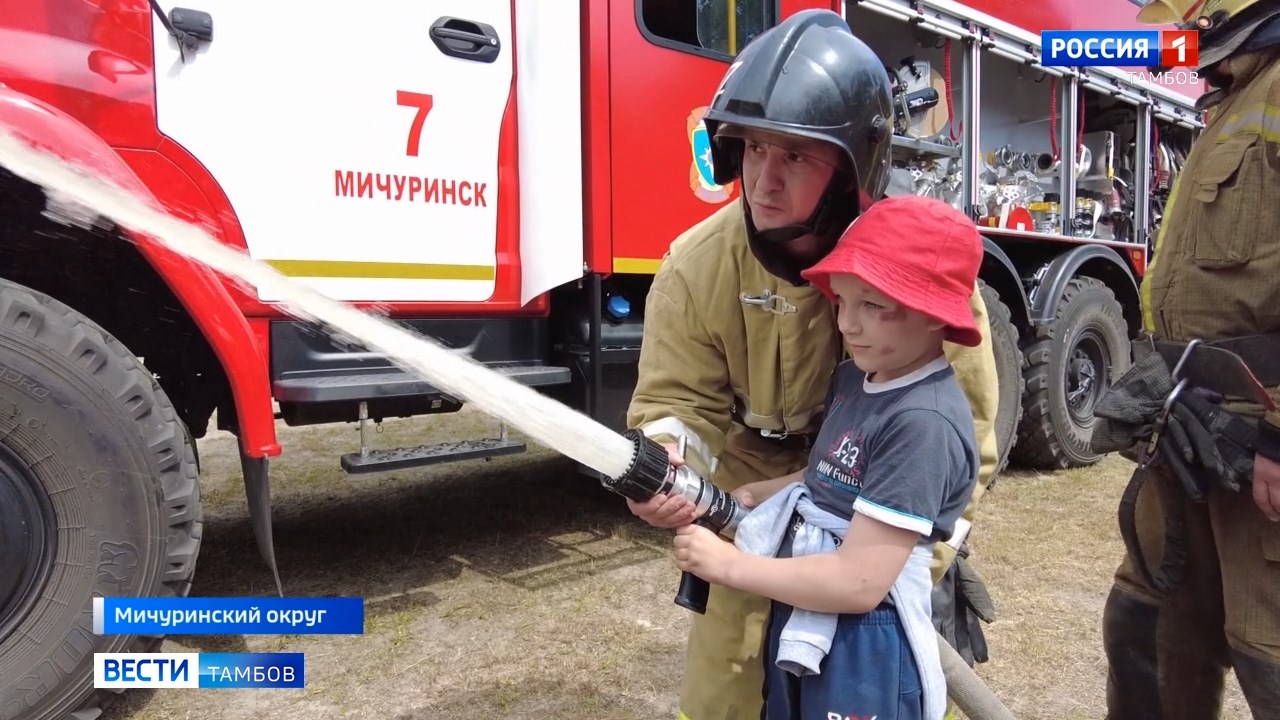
903 452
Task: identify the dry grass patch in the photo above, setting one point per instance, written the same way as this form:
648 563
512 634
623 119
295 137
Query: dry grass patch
1048 546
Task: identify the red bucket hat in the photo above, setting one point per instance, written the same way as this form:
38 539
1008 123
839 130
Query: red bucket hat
918 251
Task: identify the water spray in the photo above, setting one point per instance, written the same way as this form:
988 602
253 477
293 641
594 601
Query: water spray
634 465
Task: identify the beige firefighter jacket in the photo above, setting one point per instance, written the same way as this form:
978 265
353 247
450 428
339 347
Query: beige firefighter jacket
1215 271
712 352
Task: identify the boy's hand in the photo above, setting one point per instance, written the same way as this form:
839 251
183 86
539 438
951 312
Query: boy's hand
703 553
666 511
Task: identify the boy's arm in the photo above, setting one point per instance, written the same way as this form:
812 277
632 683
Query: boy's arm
854 579
911 462
683 384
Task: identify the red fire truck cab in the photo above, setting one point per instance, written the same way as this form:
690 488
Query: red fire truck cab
504 175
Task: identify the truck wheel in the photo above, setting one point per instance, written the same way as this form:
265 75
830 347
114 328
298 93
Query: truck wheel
1070 363
1004 341
98 497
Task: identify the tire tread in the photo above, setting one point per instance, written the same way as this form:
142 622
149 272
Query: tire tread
1038 444
139 398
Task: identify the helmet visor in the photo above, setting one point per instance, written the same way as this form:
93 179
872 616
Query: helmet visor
810 149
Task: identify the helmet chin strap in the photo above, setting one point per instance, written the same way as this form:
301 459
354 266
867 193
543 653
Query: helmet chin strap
834 212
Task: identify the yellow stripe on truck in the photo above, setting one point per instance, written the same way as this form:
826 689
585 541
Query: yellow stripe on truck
636 266
423 271
381 270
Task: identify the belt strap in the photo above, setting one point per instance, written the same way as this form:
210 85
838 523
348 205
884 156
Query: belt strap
1216 365
1168 576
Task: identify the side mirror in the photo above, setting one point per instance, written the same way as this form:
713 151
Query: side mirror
197 24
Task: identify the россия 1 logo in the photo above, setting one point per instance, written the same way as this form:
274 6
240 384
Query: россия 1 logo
1120 48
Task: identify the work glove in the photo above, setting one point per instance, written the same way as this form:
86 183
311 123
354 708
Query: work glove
1269 441
1188 452
1202 443
974 590
1125 412
1205 444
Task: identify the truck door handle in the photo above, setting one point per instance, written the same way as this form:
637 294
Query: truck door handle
466 39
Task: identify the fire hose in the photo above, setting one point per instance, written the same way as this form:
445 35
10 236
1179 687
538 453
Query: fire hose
633 465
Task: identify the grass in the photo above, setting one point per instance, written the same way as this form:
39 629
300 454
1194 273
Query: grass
518 588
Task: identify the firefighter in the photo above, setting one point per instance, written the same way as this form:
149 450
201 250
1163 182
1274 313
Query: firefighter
739 349
1215 278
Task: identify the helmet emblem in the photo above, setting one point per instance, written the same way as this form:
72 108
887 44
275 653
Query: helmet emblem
701 174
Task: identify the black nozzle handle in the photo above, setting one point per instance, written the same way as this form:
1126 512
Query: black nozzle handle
693 592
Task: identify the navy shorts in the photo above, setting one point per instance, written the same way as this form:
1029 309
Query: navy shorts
869 673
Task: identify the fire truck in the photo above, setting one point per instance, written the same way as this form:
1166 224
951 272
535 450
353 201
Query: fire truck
505 176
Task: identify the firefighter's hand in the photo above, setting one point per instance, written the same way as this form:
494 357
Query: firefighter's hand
753 493
666 511
1266 486
703 553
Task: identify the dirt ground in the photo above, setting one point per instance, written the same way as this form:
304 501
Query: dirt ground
517 588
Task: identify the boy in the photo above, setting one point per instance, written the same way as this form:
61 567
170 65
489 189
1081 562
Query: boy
843 547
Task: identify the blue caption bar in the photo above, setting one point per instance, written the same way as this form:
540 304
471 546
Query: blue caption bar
228 616
252 670
1119 48
199 670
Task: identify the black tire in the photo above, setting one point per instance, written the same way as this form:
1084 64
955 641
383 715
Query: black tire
99 471
1070 363
1005 344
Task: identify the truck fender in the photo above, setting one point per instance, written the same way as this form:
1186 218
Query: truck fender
202 294
198 289
1098 261
999 272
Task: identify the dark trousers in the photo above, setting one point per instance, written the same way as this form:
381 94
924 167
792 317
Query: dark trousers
1169 653
869 673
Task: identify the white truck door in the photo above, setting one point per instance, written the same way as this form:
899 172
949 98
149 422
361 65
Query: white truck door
358 144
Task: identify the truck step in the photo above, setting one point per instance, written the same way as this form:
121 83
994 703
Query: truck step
445 452
394 382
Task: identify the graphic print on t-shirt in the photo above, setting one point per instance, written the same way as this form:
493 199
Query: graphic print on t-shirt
841 466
